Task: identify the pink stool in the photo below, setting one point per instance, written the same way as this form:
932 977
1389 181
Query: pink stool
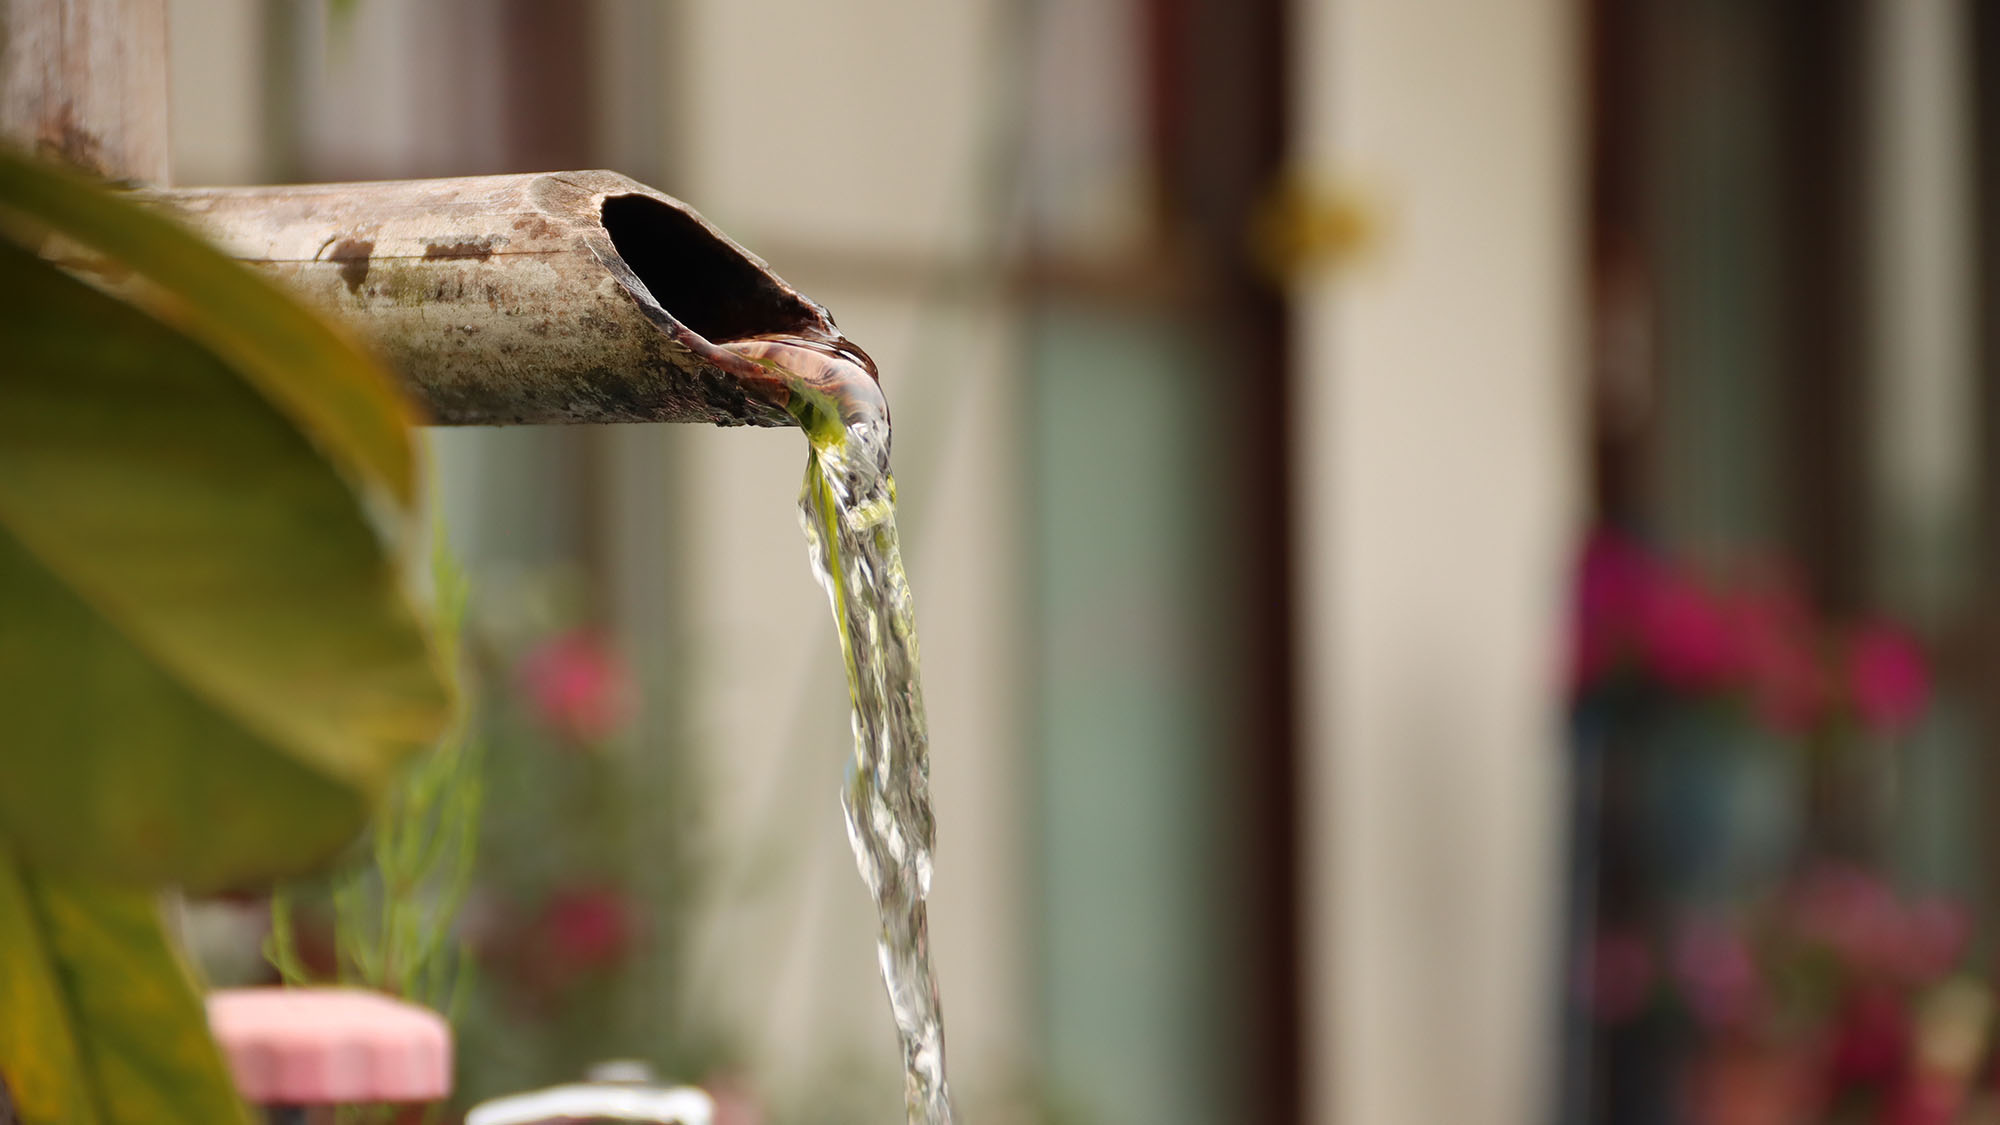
320 1046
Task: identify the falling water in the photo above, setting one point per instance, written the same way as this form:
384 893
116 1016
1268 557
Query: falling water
848 509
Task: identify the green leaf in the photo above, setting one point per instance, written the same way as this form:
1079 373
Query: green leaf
101 1024
305 367
208 666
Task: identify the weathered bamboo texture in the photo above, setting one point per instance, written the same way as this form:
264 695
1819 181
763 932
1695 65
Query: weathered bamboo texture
85 82
558 297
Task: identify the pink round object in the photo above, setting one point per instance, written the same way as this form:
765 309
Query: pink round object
314 1046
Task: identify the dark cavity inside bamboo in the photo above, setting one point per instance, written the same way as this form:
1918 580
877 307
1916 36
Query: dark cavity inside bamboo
558 297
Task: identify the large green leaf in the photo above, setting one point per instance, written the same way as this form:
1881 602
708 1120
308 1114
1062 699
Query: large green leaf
101 1024
208 666
296 360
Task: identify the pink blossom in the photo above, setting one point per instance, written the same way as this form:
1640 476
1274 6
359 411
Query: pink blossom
1933 936
1888 676
1860 919
1871 1042
578 686
1927 1099
1781 667
1718 973
588 927
1613 578
1684 635
1851 912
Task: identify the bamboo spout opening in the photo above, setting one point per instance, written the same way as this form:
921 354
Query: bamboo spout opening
719 294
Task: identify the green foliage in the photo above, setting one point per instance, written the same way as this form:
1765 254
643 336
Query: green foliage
102 1025
209 669
394 914
395 907
308 371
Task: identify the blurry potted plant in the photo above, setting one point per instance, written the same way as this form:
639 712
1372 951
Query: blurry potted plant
1740 957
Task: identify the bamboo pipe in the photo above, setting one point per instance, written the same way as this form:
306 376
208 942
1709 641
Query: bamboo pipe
557 297
565 297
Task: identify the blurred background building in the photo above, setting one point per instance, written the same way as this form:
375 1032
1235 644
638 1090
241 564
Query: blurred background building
1261 368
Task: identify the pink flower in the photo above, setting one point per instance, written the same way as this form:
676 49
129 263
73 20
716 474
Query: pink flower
1684 634
1781 667
578 686
1888 676
1850 912
1611 585
1718 974
1871 1043
588 927
1927 1099
1935 933
1861 920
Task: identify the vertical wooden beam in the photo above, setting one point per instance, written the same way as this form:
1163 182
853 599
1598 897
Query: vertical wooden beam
550 121
1595 1073
1220 92
85 81
551 115
1818 54
1983 664
1819 48
1984 24
1624 419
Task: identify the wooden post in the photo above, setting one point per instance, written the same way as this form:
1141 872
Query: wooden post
85 81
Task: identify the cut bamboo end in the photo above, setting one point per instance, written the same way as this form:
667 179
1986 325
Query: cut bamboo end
522 299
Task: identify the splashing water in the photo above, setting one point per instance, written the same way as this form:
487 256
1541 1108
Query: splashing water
848 510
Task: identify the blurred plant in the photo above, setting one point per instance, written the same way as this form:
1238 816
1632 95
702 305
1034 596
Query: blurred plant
589 870
1743 956
1889 680
394 915
566 939
1863 998
578 687
1637 619
203 684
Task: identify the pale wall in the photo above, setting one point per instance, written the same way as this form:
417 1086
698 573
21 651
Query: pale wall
1439 466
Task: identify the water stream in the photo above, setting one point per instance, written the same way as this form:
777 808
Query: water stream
848 510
